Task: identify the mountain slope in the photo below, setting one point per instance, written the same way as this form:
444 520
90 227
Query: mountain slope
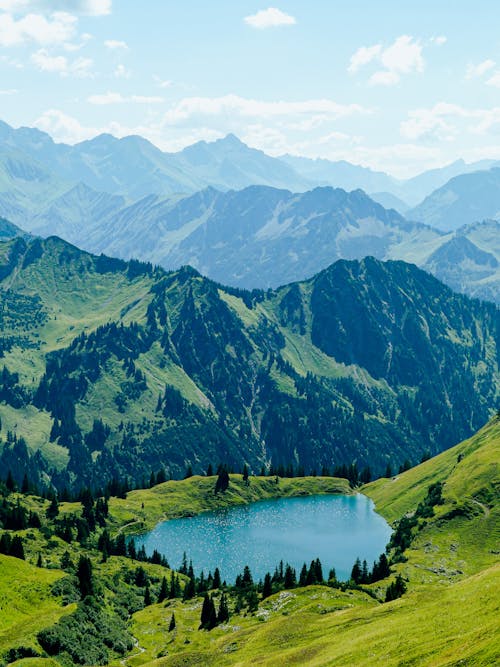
256 237
370 361
465 199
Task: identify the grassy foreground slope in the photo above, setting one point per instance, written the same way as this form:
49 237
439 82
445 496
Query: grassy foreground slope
449 616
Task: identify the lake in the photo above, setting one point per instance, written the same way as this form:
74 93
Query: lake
336 529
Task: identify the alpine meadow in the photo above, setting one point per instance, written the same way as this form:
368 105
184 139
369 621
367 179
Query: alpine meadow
249 334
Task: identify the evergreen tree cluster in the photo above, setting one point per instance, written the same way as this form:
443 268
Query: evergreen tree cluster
12 546
361 574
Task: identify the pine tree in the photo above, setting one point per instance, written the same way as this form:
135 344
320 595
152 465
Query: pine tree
388 471
222 482
223 614
364 573
303 576
171 625
147 596
9 482
290 578
53 509
356 571
84 576
17 548
216 582
267 588
208 618
184 565
163 593
25 487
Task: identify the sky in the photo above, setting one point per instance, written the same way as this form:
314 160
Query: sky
397 86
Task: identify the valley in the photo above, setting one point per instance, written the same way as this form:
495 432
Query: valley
449 563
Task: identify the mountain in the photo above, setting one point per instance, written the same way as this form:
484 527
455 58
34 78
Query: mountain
458 259
133 167
342 174
114 368
462 200
74 214
257 237
415 189
387 200
9 231
228 163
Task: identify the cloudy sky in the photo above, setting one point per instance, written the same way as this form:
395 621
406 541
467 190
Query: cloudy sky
394 85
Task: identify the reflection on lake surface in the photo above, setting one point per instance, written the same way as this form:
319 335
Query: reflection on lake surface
336 529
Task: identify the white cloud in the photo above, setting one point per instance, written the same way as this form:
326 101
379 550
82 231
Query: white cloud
118 98
445 122
58 28
115 45
86 7
269 18
476 71
9 91
439 40
63 127
403 56
162 83
121 72
234 106
80 68
494 80
384 78
363 56
77 46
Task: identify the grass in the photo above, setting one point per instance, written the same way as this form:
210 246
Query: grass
26 602
470 471
448 617
143 508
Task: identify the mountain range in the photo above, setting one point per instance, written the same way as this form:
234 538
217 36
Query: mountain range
244 218
133 167
112 368
262 237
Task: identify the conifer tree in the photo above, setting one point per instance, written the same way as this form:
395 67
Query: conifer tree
17 548
163 592
356 571
223 614
171 625
267 588
84 576
290 578
216 580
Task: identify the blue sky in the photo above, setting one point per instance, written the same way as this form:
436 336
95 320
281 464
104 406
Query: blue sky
397 86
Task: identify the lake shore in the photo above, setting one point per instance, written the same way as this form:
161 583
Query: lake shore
142 509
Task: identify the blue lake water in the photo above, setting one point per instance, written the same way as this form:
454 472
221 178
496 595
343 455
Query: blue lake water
336 529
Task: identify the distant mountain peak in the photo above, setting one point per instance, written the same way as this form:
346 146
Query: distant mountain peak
231 140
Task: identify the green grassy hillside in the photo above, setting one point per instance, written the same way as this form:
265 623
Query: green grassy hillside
448 616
